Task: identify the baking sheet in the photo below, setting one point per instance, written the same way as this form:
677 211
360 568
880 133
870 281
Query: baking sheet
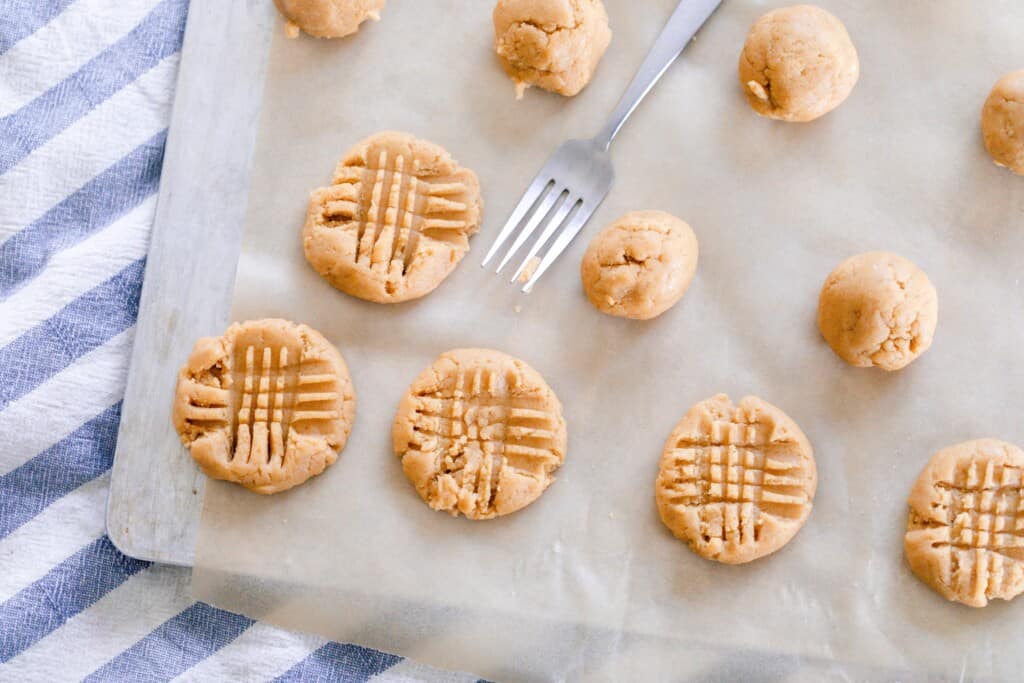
586 582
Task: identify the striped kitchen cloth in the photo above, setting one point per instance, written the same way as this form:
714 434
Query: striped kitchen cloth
85 95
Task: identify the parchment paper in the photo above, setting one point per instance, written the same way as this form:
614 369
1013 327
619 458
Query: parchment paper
586 582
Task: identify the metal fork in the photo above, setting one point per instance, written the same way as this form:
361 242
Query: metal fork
578 176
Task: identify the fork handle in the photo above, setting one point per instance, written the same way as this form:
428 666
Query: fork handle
684 23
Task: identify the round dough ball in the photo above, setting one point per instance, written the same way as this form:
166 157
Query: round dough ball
640 265
479 433
964 528
395 221
878 309
798 64
267 405
554 44
1002 122
328 18
736 482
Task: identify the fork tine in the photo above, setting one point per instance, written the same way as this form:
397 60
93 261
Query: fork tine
556 222
574 225
544 208
532 195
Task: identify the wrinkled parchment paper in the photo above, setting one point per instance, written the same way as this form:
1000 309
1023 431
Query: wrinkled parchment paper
586 582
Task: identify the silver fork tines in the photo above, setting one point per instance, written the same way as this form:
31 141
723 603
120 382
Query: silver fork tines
578 176
563 196
568 204
538 210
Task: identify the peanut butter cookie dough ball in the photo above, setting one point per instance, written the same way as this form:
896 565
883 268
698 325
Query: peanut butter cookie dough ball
798 64
640 265
328 18
878 309
1002 122
553 44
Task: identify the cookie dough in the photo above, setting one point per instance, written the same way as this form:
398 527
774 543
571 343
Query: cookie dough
736 481
328 18
267 405
554 44
965 532
479 433
1002 122
878 309
396 220
640 265
798 64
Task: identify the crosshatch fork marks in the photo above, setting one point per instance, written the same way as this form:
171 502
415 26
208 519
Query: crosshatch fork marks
267 405
391 209
478 428
985 521
736 475
965 531
736 481
395 221
271 391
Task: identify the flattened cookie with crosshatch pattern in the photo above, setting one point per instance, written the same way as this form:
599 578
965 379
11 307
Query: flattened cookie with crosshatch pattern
479 433
965 532
395 221
736 481
267 405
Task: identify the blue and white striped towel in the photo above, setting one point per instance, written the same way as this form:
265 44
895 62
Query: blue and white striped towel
85 94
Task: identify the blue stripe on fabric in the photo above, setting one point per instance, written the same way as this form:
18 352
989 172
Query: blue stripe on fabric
117 190
83 325
70 587
76 459
175 646
156 37
336 662
22 18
